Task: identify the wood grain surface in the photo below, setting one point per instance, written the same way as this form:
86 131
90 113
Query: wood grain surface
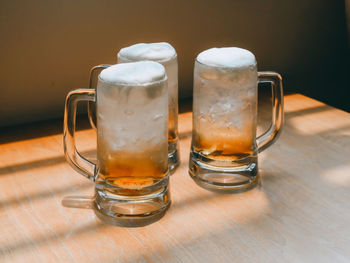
300 213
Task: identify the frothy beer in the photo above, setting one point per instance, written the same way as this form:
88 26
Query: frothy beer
132 118
224 102
165 54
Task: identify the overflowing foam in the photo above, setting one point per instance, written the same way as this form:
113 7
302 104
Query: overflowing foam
227 57
135 73
148 51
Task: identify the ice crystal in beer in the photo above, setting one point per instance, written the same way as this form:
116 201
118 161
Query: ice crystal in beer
132 120
224 152
165 54
224 111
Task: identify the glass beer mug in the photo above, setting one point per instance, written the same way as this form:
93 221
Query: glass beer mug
224 146
164 54
131 173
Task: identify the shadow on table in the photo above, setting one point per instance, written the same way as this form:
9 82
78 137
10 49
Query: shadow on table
332 136
39 129
44 194
41 163
45 240
305 144
47 193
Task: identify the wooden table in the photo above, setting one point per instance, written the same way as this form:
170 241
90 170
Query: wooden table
301 213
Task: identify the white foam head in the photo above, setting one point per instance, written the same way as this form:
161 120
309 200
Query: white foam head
161 51
231 57
135 73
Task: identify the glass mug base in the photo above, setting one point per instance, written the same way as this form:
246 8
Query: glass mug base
131 211
173 156
241 177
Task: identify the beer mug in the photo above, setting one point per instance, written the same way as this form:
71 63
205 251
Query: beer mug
131 174
166 55
224 150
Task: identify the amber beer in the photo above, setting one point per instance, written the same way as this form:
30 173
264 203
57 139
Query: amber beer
131 175
223 148
131 172
165 54
224 145
131 148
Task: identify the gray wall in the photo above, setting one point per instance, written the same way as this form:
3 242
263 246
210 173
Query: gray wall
48 47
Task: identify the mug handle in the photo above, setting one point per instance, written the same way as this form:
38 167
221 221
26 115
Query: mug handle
270 136
74 158
92 105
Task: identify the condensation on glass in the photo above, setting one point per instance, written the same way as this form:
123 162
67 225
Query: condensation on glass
166 55
131 174
224 145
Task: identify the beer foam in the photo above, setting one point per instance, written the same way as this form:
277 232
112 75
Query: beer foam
148 51
134 73
232 57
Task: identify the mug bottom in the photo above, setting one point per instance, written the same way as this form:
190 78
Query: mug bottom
227 179
132 211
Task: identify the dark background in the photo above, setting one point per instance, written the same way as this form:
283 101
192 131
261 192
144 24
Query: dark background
48 47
